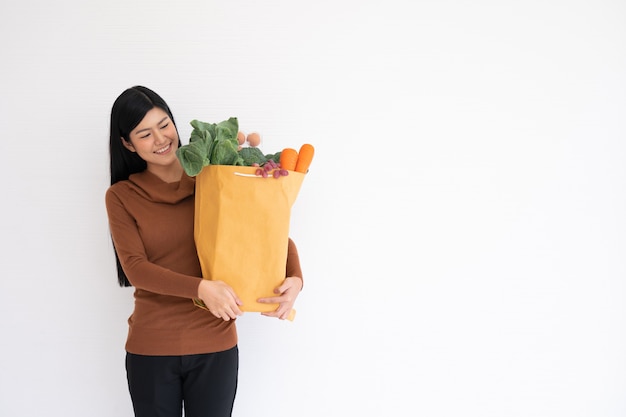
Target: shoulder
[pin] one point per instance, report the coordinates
(118, 188)
(133, 183)
(123, 190)
(115, 194)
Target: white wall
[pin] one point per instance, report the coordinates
(462, 229)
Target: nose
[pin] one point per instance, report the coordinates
(159, 137)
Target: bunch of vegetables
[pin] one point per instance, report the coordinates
(222, 144)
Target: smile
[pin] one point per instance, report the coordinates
(163, 150)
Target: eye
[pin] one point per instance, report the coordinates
(145, 136)
(165, 126)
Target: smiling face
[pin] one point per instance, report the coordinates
(155, 140)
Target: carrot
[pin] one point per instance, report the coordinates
(288, 159)
(305, 156)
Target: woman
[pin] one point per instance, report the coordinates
(178, 355)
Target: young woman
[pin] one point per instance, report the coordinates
(178, 356)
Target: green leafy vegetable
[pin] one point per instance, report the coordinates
(193, 157)
(216, 144)
(252, 155)
(273, 156)
(225, 153)
(210, 143)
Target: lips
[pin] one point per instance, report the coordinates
(163, 149)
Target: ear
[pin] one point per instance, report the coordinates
(127, 145)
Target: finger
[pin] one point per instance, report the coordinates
(233, 312)
(235, 297)
(285, 286)
(271, 300)
(227, 313)
(216, 314)
(286, 315)
(237, 311)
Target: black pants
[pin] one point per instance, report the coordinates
(205, 385)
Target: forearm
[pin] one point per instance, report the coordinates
(293, 268)
(154, 278)
(172, 273)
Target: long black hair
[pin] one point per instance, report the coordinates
(128, 111)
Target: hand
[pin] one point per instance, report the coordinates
(288, 292)
(220, 299)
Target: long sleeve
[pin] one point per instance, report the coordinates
(151, 223)
(293, 261)
(171, 276)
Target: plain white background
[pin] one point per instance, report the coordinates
(462, 229)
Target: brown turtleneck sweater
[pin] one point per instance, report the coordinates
(151, 223)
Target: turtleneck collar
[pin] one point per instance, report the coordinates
(159, 191)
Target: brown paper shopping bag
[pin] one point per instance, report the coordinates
(241, 229)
